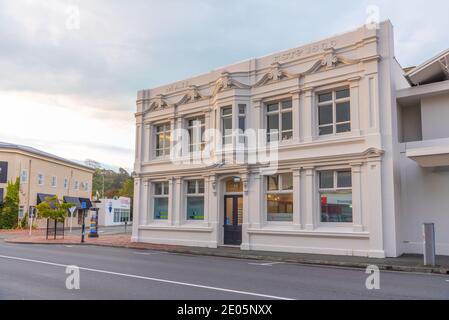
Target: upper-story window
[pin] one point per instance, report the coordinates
(280, 197)
(40, 179)
(195, 200)
(66, 183)
(86, 186)
(335, 189)
(334, 112)
(163, 137)
(196, 128)
(226, 125)
(24, 176)
(279, 121)
(54, 181)
(242, 122)
(161, 193)
(77, 185)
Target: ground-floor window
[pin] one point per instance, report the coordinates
(121, 215)
(279, 193)
(161, 192)
(195, 200)
(335, 188)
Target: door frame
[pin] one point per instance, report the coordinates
(235, 201)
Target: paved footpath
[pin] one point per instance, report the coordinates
(39, 272)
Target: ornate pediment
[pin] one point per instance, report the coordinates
(226, 82)
(192, 95)
(330, 60)
(158, 103)
(275, 74)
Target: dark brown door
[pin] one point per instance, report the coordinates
(233, 220)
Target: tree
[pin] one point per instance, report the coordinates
(127, 189)
(53, 208)
(9, 214)
(112, 181)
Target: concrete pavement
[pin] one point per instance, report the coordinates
(38, 272)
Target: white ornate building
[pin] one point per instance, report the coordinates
(330, 110)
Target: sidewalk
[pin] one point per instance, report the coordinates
(406, 263)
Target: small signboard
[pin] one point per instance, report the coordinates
(83, 205)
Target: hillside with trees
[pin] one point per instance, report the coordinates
(109, 184)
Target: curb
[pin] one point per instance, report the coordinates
(341, 264)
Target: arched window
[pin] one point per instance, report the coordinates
(234, 185)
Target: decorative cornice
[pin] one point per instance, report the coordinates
(226, 82)
(275, 74)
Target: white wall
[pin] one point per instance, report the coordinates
(425, 199)
(435, 115)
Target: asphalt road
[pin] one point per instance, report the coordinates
(39, 272)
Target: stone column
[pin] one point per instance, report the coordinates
(355, 105)
(137, 213)
(296, 116)
(144, 219)
(178, 201)
(171, 201)
(147, 143)
(246, 210)
(311, 196)
(297, 198)
(308, 120)
(357, 206)
(258, 207)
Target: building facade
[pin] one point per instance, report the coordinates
(42, 175)
(114, 212)
(298, 151)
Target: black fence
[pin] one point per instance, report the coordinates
(55, 229)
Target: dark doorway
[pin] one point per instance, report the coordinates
(233, 220)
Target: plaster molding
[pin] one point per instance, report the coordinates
(274, 75)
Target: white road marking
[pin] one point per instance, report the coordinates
(268, 264)
(68, 246)
(149, 278)
(148, 253)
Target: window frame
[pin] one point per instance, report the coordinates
(333, 102)
(224, 117)
(164, 195)
(335, 190)
(196, 194)
(40, 179)
(279, 191)
(54, 182)
(165, 150)
(66, 183)
(77, 185)
(191, 130)
(22, 172)
(279, 112)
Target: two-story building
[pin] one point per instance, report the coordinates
(44, 175)
(298, 151)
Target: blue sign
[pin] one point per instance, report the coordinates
(83, 205)
(110, 207)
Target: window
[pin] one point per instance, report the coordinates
(54, 181)
(280, 197)
(161, 192)
(196, 127)
(77, 185)
(21, 212)
(66, 183)
(195, 200)
(24, 176)
(121, 215)
(279, 121)
(163, 137)
(86, 186)
(226, 125)
(40, 179)
(242, 122)
(334, 112)
(336, 196)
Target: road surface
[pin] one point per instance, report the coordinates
(39, 272)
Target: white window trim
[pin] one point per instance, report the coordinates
(278, 112)
(21, 176)
(42, 183)
(279, 191)
(66, 183)
(55, 180)
(165, 186)
(164, 148)
(197, 194)
(199, 146)
(222, 117)
(334, 103)
(77, 185)
(335, 189)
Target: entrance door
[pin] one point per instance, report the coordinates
(233, 216)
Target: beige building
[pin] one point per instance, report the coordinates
(41, 175)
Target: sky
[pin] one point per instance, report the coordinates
(70, 69)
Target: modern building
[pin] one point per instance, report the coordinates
(346, 152)
(44, 175)
(114, 212)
